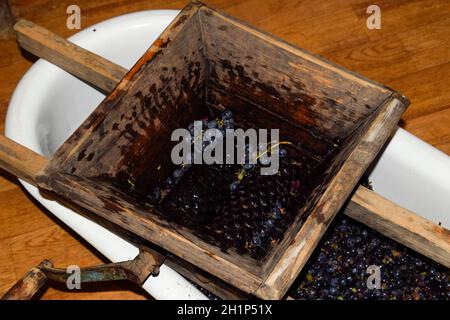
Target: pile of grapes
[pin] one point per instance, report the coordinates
(234, 206)
(338, 269)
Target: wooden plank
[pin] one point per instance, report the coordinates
(80, 62)
(30, 248)
(401, 225)
(288, 81)
(137, 220)
(200, 277)
(19, 160)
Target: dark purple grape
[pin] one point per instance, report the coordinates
(212, 124)
(233, 186)
(227, 114)
(283, 152)
(178, 173)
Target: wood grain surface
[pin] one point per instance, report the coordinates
(404, 226)
(411, 53)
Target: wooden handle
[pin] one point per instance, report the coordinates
(80, 62)
(29, 285)
(365, 206)
(146, 263)
(19, 160)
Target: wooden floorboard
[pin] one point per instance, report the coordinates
(411, 53)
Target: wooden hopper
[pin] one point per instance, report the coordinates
(206, 60)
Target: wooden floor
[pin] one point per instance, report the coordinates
(411, 53)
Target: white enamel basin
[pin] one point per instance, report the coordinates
(49, 104)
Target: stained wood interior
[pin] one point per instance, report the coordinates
(321, 107)
(167, 91)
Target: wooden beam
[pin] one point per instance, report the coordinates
(400, 224)
(19, 160)
(80, 62)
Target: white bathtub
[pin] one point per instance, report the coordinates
(49, 104)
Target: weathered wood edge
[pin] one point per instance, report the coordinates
(286, 270)
(202, 278)
(29, 284)
(279, 42)
(145, 227)
(400, 224)
(19, 160)
(79, 137)
(80, 62)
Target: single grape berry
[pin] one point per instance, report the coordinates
(283, 152)
(227, 114)
(178, 173)
(212, 124)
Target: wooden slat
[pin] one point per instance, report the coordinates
(401, 225)
(80, 62)
(19, 160)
